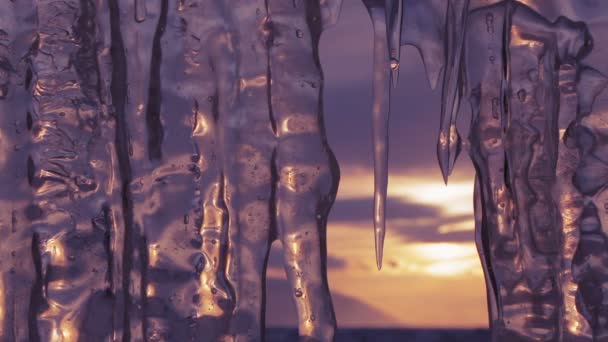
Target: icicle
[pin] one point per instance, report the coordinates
(380, 117)
(448, 146)
(330, 10)
(422, 24)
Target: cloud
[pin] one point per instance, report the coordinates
(410, 221)
(361, 209)
(434, 255)
(419, 209)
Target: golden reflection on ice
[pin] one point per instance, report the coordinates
(201, 127)
(150, 290)
(298, 123)
(212, 216)
(153, 254)
(59, 284)
(54, 310)
(256, 82)
(57, 252)
(68, 330)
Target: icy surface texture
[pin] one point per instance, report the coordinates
(537, 145)
(529, 94)
(151, 151)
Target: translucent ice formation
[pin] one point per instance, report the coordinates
(522, 73)
(152, 151)
(437, 30)
(536, 145)
(378, 11)
(449, 144)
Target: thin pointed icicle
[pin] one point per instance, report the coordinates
(448, 144)
(380, 117)
(394, 11)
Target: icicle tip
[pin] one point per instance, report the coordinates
(379, 232)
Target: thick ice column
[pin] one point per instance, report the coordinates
(176, 188)
(72, 176)
(136, 98)
(496, 235)
(523, 98)
(306, 168)
(248, 142)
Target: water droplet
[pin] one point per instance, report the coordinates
(299, 293)
(299, 33)
(394, 63)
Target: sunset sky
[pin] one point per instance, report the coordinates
(432, 276)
